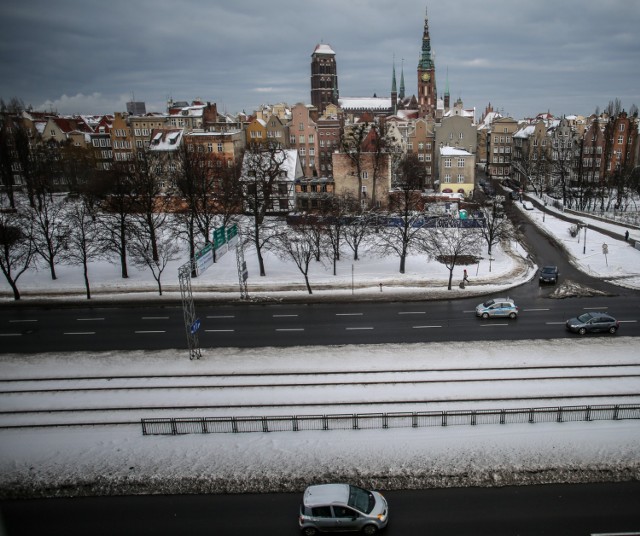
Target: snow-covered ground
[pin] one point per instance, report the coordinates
(118, 459)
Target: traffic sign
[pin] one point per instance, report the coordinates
(195, 326)
(219, 237)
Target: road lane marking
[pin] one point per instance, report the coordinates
(412, 312)
(79, 333)
(492, 324)
(10, 334)
(353, 329)
(627, 321)
(155, 318)
(218, 330)
(425, 327)
(17, 321)
(150, 331)
(289, 329)
(555, 323)
(594, 308)
(282, 316)
(88, 319)
(536, 310)
(221, 316)
(349, 314)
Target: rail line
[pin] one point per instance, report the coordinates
(80, 401)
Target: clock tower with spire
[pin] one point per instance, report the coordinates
(427, 96)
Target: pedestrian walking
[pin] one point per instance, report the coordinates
(626, 236)
(465, 278)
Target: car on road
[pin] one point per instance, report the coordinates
(592, 322)
(342, 508)
(549, 274)
(527, 205)
(498, 307)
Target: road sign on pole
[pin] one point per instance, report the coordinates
(195, 326)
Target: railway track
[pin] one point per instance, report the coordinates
(87, 400)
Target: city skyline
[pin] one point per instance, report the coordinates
(523, 58)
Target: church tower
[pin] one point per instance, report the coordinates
(324, 77)
(427, 95)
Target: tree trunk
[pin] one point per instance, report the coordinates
(306, 280)
(450, 278)
(86, 279)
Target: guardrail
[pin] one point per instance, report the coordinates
(358, 421)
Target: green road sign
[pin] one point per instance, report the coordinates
(219, 237)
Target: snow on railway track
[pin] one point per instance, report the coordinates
(115, 399)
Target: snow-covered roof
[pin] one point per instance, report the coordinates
(289, 163)
(365, 103)
(452, 151)
(166, 140)
(525, 132)
(323, 48)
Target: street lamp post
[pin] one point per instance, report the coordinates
(584, 245)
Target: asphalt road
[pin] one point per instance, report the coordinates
(131, 328)
(551, 510)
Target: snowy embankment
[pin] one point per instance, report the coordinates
(120, 460)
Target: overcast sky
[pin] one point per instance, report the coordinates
(525, 57)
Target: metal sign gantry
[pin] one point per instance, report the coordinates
(222, 236)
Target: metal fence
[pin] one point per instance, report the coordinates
(359, 421)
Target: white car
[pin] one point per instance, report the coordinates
(527, 205)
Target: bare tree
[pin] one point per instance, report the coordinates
(82, 240)
(142, 254)
(297, 243)
(493, 224)
(360, 223)
(116, 217)
(263, 165)
(49, 227)
(450, 244)
(406, 215)
(16, 247)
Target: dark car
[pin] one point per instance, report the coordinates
(593, 323)
(549, 274)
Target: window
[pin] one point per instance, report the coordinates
(621, 127)
(447, 178)
(311, 138)
(301, 127)
(365, 175)
(621, 139)
(461, 136)
(460, 178)
(447, 162)
(301, 139)
(460, 162)
(312, 151)
(292, 139)
(209, 147)
(220, 147)
(303, 151)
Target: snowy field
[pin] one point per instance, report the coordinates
(118, 459)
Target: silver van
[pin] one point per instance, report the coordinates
(342, 508)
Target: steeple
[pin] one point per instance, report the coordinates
(427, 91)
(393, 79)
(402, 81)
(425, 59)
(447, 95)
(394, 88)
